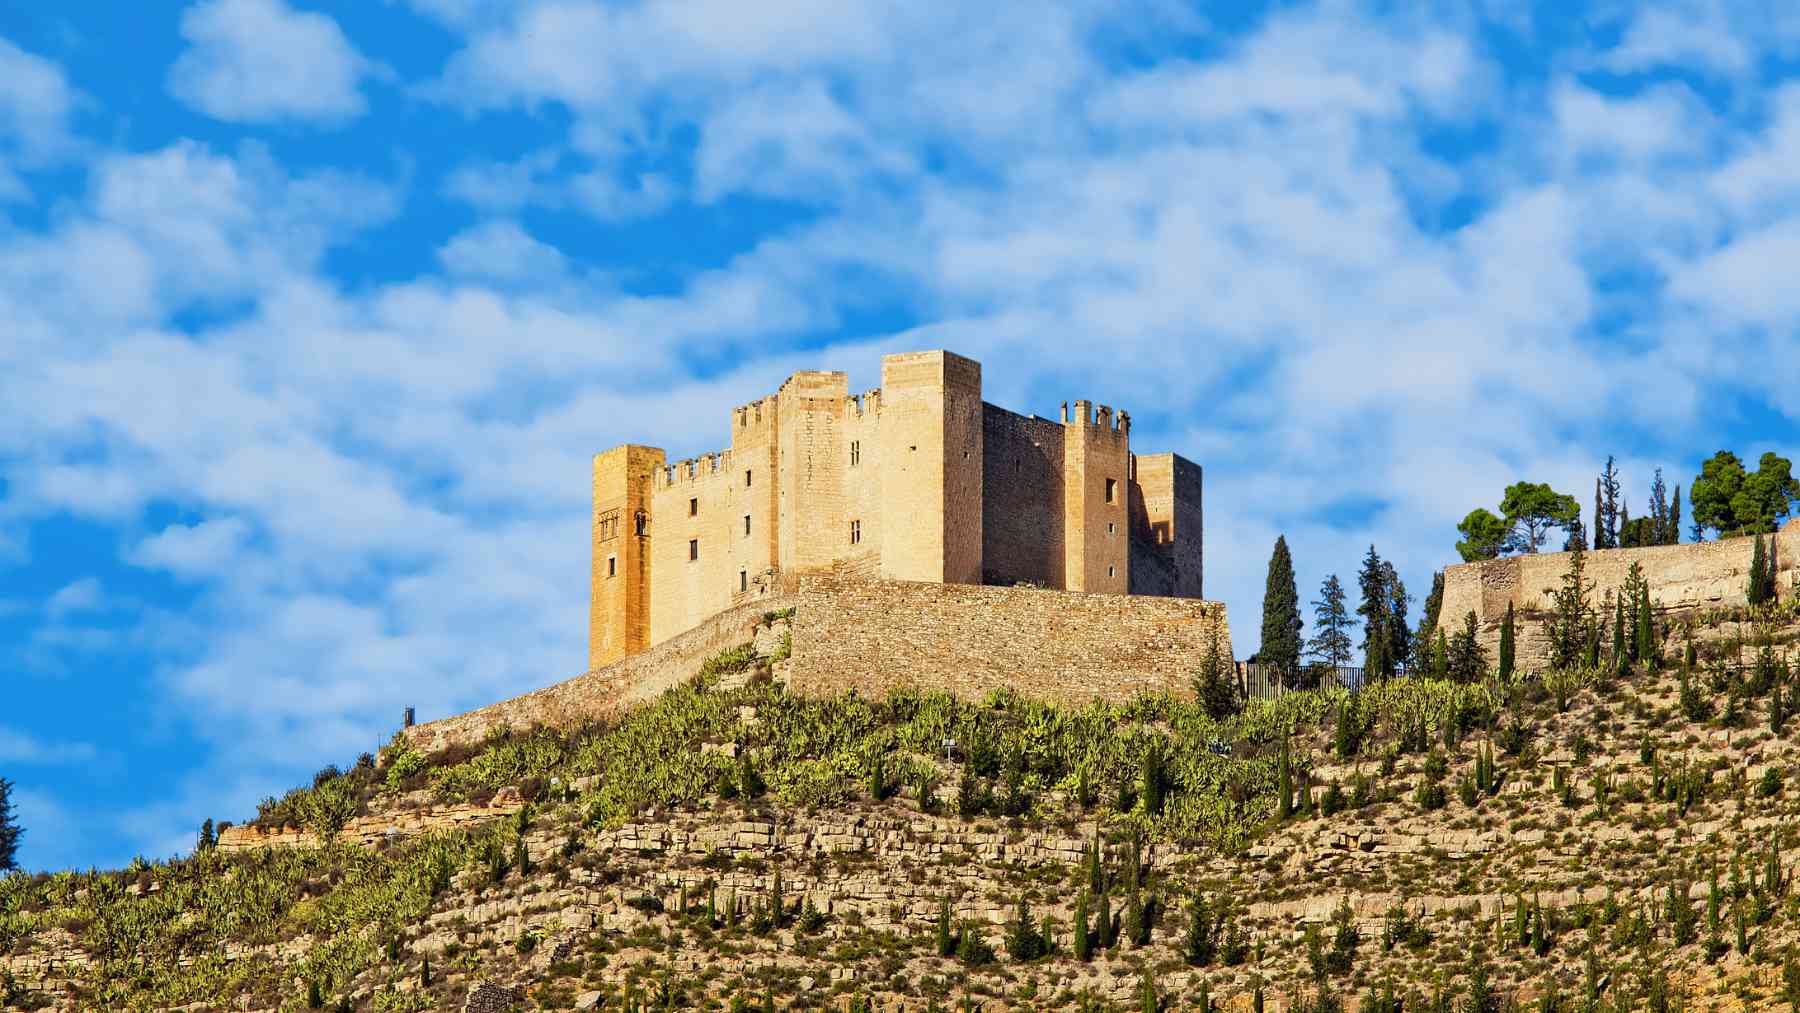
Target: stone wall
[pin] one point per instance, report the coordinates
(377, 827)
(634, 680)
(1055, 645)
(1022, 505)
(1682, 579)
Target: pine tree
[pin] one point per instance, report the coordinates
(1374, 610)
(10, 831)
(1202, 940)
(1567, 626)
(208, 837)
(1422, 639)
(1331, 645)
(1607, 525)
(1659, 510)
(1506, 642)
(1022, 939)
(1215, 685)
(1399, 637)
(1281, 623)
(1468, 659)
(1599, 517)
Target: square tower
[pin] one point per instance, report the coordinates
(931, 471)
(619, 598)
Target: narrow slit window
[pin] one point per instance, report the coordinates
(855, 532)
(694, 504)
(746, 478)
(1109, 571)
(855, 453)
(743, 580)
(693, 549)
(612, 566)
(746, 525)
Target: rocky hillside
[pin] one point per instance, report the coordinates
(1572, 840)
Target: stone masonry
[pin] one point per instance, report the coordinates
(969, 640)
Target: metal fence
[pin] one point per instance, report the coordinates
(1263, 682)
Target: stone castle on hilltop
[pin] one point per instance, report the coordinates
(919, 480)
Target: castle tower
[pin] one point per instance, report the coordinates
(619, 598)
(931, 478)
(1096, 491)
(811, 531)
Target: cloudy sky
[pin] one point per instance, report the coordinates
(311, 315)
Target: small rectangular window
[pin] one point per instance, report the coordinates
(694, 504)
(746, 478)
(612, 566)
(743, 580)
(1110, 529)
(855, 532)
(746, 525)
(1112, 490)
(855, 452)
(1109, 571)
(693, 549)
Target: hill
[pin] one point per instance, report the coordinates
(1571, 840)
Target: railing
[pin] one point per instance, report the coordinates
(1264, 682)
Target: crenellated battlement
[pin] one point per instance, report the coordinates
(1098, 418)
(693, 469)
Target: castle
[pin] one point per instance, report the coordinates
(919, 480)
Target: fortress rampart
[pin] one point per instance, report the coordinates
(874, 635)
(919, 480)
(1681, 579)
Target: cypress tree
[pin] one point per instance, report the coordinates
(1756, 591)
(1083, 944)
(1281, 623)
(1673, 534)
(1777, 710)
(1646, 636)
(1103, 923)
(1620, 659)
(946, 943)
(1284, 789)
(1506, 642)
(1147, 998)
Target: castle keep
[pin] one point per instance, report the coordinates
(919, 480)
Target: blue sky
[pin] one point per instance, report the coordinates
(311, 315)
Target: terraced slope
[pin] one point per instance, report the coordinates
(1563, 841)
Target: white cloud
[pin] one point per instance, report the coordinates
(36, 105)
(83, 595)
(17, 747)
(193, 551)
(260, 61)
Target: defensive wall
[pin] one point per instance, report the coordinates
(870, 636)
(602, 692)
(969, 639)
(1681, 578)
